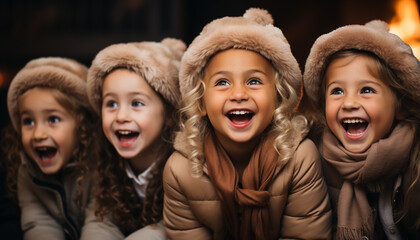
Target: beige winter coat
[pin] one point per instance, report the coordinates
(48, 204)
(299, 206)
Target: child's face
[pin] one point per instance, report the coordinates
(133, 114)
(240, 95)
(360, 108)
(48, 130)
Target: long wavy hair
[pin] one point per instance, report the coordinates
(407, 107)
(83, 151)
(116, 197)
(289, 126)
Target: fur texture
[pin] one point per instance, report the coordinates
(66, 75)
(372, 37)
(157, 62)
(254, 31)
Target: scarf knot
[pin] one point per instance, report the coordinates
(368, 170)
(253, 197)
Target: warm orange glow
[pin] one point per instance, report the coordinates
(406, 24)
(1, 80)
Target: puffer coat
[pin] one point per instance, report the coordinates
(49, 205)
(299, 206)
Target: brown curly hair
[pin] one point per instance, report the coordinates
(86, 131)
(116, 197)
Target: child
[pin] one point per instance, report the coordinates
(49, 110)
(135, 89)
(365, 80)
(242, 169)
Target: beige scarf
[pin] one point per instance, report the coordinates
(368, 170)
(253, 197)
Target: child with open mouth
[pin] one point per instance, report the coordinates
(242, 168)
(366, 83)
(134, 89)
(49, 110)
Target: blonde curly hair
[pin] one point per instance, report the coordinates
(289, 126)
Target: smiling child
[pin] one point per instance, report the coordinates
(365, 81)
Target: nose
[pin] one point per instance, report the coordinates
(40, 132)
(350, 102)
(123, 114)
(239, 93)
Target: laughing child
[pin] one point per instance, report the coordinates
(49, 110)
(365, 81)
(134, 88)
(242, 167)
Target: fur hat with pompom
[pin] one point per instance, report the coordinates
(253, 31)
(157, 62)
(372, 37)
(66, 75)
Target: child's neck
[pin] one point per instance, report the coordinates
(240, 155)
(144, 160)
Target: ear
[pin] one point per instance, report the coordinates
(400, 114)
(203, 110)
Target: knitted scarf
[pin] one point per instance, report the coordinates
(253, 196)
(368, 170)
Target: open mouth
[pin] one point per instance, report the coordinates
(354, 126)
(46, 153)
(126, 135)
(240, 116)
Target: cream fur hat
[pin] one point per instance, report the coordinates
(157, 62)
(253, 31)
(372, 37)
(66, 75)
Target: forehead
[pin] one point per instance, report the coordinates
(238, 58)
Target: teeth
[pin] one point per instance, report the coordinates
(354, 121)
(125, 132)
(239, 112)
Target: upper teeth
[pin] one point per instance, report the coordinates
(354, 121)
(125, 132)
(239, 112)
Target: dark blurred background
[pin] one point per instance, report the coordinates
(80, 28)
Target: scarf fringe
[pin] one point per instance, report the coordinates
(347, 233)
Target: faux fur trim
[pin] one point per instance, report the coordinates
(157, 62)
(372, 37)
(66, 75)
(254, 31)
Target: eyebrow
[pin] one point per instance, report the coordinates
(44, 111)
(363, 82)
(225, 72)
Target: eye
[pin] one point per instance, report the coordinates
(254, 81)
(54, 119)
(28, 122)
(366, 90)
(221, 82)
(111, 104)
(336, 91)
(136, 103)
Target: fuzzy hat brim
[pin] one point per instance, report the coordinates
(254, 31)
(372, 37)
(157, 62)
(66, 75)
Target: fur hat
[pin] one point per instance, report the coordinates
(66, 75)
(373, 37)
(157, 62)
(254, 31)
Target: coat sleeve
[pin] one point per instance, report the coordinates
(95, 229)
(150, 232)
(307, 214)
(179, 219)
(36, 222)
